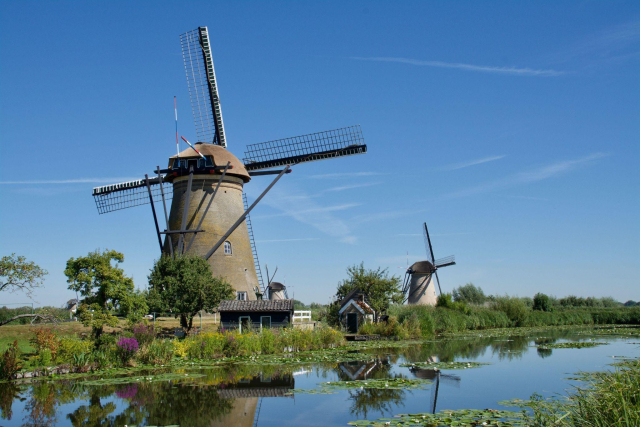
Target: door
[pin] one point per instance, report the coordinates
(265, 322)
(352, 322)
(244, 324)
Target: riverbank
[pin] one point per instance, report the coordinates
(415, 321)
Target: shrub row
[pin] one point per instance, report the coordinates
(505, 312)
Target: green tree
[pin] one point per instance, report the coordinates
(184, 285)
(470, 294)
(541, 302)
(18, 274)
(105, 288)
(381, 289)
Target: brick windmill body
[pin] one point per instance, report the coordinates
(209, 213)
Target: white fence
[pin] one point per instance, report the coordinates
(301, 315)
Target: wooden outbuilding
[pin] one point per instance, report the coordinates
(355, 311)
(255, 315)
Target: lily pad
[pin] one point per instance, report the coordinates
(464, 417)
(444, 365)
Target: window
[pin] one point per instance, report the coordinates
(241, 296)
(227, 248)
(265, 322)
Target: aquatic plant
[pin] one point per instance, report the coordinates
(608, 398)
(172, 376)
(443, 365)
(381, 383)
(583, 344)
(462, 417)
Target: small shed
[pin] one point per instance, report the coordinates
(258, 314)
(355, 310)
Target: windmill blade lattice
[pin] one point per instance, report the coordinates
(446, 261)
(203, 89)
(305, 148)
(115, 197)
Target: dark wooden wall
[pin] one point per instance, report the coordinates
(279, 319)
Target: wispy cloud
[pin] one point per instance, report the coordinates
(295, 203)
(319, 209)
(345, 174)
(467, 67)
(463, 165)
(349, 187)
(539, 174)
(70, 181)
(612, 43)
(386, 215)
(307, 239)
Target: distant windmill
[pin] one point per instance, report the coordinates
(418, 286)
(275, 290)
(207, 170)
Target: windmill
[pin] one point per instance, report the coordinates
(418, 286)
(275, 290)
(207, 170)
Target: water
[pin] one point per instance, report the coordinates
(246, 395)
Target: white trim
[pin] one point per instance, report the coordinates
(352, 302)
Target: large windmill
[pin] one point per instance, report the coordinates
(418, 286)
(206, 170)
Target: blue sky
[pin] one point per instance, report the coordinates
(512, 128)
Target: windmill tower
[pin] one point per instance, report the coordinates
(418, 285)
(207, 171)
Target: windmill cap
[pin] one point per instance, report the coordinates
(422, 267)
(220, 157)
(276, 285)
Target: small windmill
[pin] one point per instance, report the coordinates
(418, 286)
(207, 170)
(275, 290)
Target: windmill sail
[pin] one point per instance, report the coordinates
(203, 89)
(128, 194)
(305, 148)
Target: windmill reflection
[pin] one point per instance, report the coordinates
(365, 400)
(436, 376)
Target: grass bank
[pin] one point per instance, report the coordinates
(140, 345)
(412, 321)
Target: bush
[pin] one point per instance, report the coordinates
(267, 342)
(70, 346)
(469, 294)
(143, 333)
(159, 352)
(10, 362)
(541, 302)
(46, 339)
(126, 348)
(515, 309)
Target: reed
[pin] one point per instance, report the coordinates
(609, 398)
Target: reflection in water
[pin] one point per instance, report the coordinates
(233, 394)
(371, 400)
